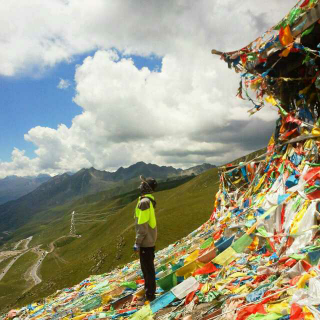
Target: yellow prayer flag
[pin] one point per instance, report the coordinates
(271, 141)
(282, 307)
(225, 257)
(298, 217)
(285, 36)
(308, 315)
(207, 286)
(316, 131)
(272, 100)
(192, 257)
(257, 187)
(302, 281)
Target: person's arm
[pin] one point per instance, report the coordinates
(142, 223)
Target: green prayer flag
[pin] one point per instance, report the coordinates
(262, 230)
(242, 243)
(297, 256)
(293, 15)
(282, 111)
(269, 316)
(143, 314)
(129, 284)
(207, 243)
(308, 31)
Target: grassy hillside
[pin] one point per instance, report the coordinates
(64, 188)
(14, 281)
(51, 196)
(40, 223)
(250, 156)
(107, 244)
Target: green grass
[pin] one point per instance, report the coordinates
(180, 210)
(21, 245)
(13, 283)
(4, 263)
(250, 156)
(63, 242)
(45, 226)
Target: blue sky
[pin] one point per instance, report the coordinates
(182, 114)
(30, 101)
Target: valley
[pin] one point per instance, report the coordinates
(60, 253)
(66, 189)
(47, 254)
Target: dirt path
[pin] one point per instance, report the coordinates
(26, 244)
(17, 245)
(7, 268)
(10, 253)
(52, 250)
(4, 255)
(33, 272)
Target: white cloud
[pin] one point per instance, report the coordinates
(183, 114)
(63, 84)
(37, 34)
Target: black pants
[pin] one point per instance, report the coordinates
(149, 274)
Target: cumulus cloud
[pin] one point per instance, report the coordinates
(63, 84)
(35, 35)
(183, 114)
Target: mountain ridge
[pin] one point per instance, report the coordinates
(187, 200)
(13, 187)
(64, 188)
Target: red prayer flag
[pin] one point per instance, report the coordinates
(305, 3)
(206, 269)
(296, 312)
(246, 312)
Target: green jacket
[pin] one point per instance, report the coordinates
(145, 222)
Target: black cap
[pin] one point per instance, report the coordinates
(151, 182)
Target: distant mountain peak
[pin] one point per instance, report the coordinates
(14, 187)
(10, 177)
(43, 175)
(198, 169)
(138, 164)
(65, 188)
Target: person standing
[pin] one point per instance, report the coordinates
(146, 235)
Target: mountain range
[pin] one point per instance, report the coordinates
(103, 221)
(66, 188)
(14, 187)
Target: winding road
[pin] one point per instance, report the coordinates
(33, 272)
(17, 245)
(7, 268)
(26, 244)
(24, 250)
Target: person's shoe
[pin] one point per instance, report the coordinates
(151, 299)
(141, 302)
